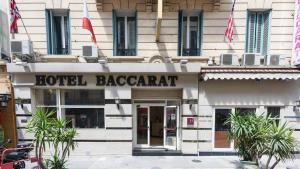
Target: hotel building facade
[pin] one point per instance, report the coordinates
(164, 78)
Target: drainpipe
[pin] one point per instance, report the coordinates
(198, 113)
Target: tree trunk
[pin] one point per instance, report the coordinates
(268, 162)
(274, 165)
(40, 160)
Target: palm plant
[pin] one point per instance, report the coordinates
(52, 131)
(280, 144)
(40, 126)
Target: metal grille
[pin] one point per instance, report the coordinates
(16, 47)
(87, 51)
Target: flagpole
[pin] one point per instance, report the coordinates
(25, 29)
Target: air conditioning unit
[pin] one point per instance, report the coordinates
(275, 60)
(251, 59)
(21, 47)
(90, 51)
(229, 60)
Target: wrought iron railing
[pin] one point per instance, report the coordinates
(190, 52)
(126, 52)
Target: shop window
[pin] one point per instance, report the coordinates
(46, 98)
(125, 34)
(190, 28)
(82, 97)
(58, 31)
(258, 30)
(244, 111)
(221, 135)
(274, 113)
(84, 118)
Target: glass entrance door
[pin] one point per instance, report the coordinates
(171, 126)
(143, 126)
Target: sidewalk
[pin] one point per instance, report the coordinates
(164, 162)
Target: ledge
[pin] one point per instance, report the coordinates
(99, 68)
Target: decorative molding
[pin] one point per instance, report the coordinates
(99, 4)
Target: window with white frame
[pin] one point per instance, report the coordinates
(46, 98)
(274, 113)
(221, 134)
(58, 31)
(258, 30)
(189, 43)
(125, 33)
(245, 111)
(82, 108)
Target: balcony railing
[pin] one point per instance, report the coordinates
(126, 52)
(190, 52)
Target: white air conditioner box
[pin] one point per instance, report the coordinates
(275, 60)
(251, 59)
(229, 60)
(90, 51)
(21, 47)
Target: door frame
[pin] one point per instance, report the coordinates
(164, 104)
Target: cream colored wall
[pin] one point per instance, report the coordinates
(246, 93)
(215, 17)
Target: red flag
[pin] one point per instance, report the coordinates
(14, 16)
(86, 22)
(229, 29)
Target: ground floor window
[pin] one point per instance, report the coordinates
(274, 113)
(81, 108)
(221, 129)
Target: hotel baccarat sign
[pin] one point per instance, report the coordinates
(107, 80)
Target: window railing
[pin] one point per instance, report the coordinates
(191, 52)
(126, 52)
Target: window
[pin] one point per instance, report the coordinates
(125, 33)
(221, 135)
(81, 108)
(46, 98)
(58, 31)
(258, 32)
(274, 113)
(189, 39)
(244, 111)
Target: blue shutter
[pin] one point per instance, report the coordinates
(115, 36)
(266, 32)
(199, 34)
(136, 31)
(48, 31)
(251, 29)
(179, 32)
(258, 33)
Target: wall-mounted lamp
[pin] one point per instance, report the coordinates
(18, 101)
(4, 98)
(117, 101)
(183, 62)
(24, 64)
(103, 62)
(297, 105)
(190, 102)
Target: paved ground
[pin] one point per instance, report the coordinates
(164, 162)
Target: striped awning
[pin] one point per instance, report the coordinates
(221, 73)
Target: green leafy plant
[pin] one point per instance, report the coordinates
(256, 136)
(51, 131)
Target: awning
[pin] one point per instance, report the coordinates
(245, 73)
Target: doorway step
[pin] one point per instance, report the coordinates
(155, 152)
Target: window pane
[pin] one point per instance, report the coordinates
(84, 118)
(245, 111)
(184, 33)
(194, 34)
(82, 97)
(45, 97)
(131, 32)
(222, 130)
(274, 112)
(121, 32)
(259, 33)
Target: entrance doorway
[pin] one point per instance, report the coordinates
(156, 125)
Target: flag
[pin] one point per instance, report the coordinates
(86, 22)
(229, 29)
(14, 16)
